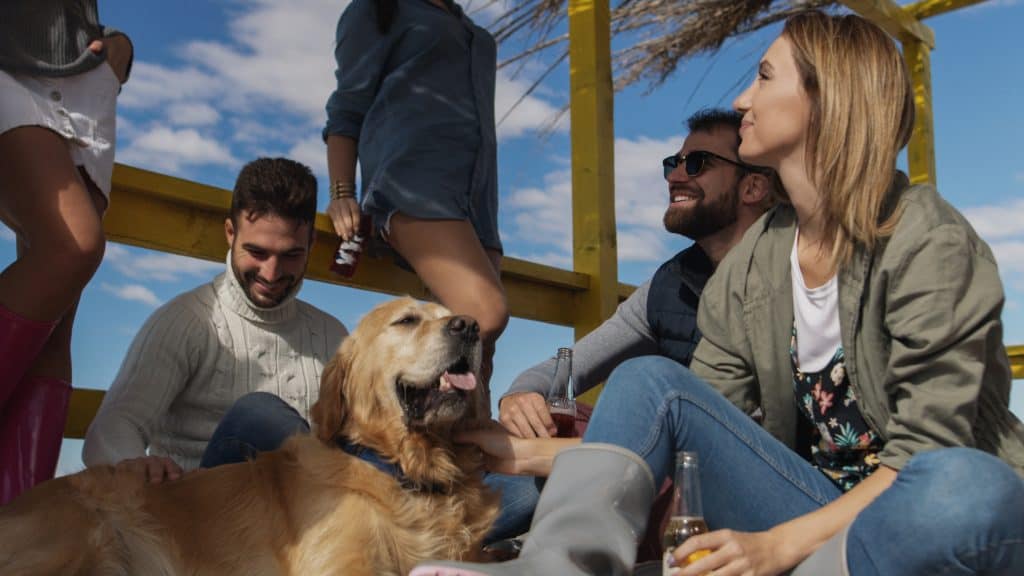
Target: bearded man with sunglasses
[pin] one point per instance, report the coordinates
(713, 198)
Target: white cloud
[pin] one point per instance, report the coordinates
(125, 129)
(7, 234)
(558, 259)
(134, 292)
(643, 244)
(260, 69)
(530, 114)
(154, 85)
(1009, 255)
(313, 153)
(192, 114)
(1002, 226)
(165, 149)
(543, 216)
(160, 267)
(254, 131)
(997, 221)
(483, 12)
(260, 60)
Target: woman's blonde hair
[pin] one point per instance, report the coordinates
(862, 114)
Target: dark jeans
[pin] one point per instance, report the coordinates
(260, 422)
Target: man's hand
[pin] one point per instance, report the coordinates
(119, 54)
(155, 469)
(526, 415)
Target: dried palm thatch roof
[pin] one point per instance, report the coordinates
(661, 33)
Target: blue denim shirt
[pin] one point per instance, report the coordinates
(420, 102)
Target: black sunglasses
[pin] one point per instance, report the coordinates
(696, 161)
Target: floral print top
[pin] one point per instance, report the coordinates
(843, 446)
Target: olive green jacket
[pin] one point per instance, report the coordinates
(920, 325)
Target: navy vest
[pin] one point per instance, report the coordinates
(672, 303)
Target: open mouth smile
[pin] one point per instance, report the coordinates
(450, 388)
(680, 195)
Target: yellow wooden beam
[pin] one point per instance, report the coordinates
(921, 150)
(82, 408)
(85, 402)
(1016, 354)
(893, 19)
(174, 215)
(928, 8)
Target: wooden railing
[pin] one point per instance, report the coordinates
(170, 214)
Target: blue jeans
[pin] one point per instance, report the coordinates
(260, 422)
(950, 511)
(257, 422)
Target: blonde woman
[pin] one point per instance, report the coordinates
(858, 324)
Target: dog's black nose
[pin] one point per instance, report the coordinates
(463, 326)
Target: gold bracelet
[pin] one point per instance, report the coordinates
(341, 189)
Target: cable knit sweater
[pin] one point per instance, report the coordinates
(195, 357)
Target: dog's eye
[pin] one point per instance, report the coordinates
(408, 320)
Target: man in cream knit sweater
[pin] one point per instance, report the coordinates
(243, 332)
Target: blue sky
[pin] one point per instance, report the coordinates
(219, 82)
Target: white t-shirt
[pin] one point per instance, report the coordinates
(816, 313)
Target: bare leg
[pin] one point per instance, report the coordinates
(54, 360)
(56, 213)
(448, 257)
(49, 206)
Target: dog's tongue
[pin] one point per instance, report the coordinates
(461, 381)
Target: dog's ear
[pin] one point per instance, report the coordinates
(329, 412)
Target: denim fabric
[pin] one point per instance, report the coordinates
(419, 99)
(260, 422)
(951, 511)
(519, 495)
(956, 511)
(257, 422)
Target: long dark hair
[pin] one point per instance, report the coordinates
(385, 14)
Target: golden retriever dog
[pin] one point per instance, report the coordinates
(398, 386)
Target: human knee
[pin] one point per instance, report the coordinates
(648, 369)
(964, 487)
(492, 319)
(257, 405)
(651, 377)
(77, 257)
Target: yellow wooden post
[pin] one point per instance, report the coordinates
(928, 8)
(921, 151)
(593, 137)
(917, 39)
(892, 18)
(593, 184)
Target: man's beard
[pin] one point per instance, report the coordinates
(704, 218)
(249, 279)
